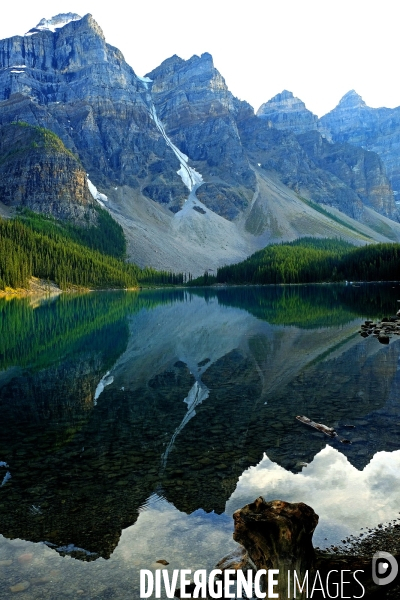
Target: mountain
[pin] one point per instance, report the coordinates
(352, 123)
(375, 129)
(82, 89)
(199, 114)
(361, 171)
(194, 177)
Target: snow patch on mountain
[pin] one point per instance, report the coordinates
(54, 23)
(189, 176)
(101, 198)
(145, 81)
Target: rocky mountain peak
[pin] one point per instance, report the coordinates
(206, 56)
(285, 95)
(285, 111)
(375, 129)
(285, 100)
(175, 69)
(55, 22)
(351, 100)
(193, 76)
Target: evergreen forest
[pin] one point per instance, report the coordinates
(36, 246)
(311, 260)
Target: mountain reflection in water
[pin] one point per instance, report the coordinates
(120, 408)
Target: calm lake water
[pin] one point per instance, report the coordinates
(132, 426)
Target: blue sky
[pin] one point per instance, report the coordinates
(319, 50)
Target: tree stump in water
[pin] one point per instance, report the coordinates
(278, 535)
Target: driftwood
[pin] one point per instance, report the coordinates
(329, 431)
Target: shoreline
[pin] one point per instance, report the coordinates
(43, 288)
(48, 289)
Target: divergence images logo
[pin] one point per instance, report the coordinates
(384, 568)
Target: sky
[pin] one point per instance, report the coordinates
(319, 50)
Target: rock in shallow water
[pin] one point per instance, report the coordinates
(20, 587)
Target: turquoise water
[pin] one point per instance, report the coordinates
(134, 424)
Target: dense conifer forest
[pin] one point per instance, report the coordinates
(35, 246)
(311, 260)
(107, 237)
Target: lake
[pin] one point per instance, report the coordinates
(133, 425)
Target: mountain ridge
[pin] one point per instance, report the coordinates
(141, 138)
(352, 121)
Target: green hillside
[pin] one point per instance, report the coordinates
(311, 260)
(53, 255)
(107, 236)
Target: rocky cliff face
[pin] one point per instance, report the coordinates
(38, 172)
(285, 111)
(199, 113)
(361, 171)
(375, 129)
(81, 88)
(339, 173)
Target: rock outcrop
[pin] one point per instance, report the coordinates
(39, 173)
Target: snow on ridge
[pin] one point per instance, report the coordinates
(145, 81)
(189, 176)
(101, 198)
(54, 23)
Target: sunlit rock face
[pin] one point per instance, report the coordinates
(39, 173)
(375, 129)
(361, 171)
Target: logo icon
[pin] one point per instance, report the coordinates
(384, 568)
